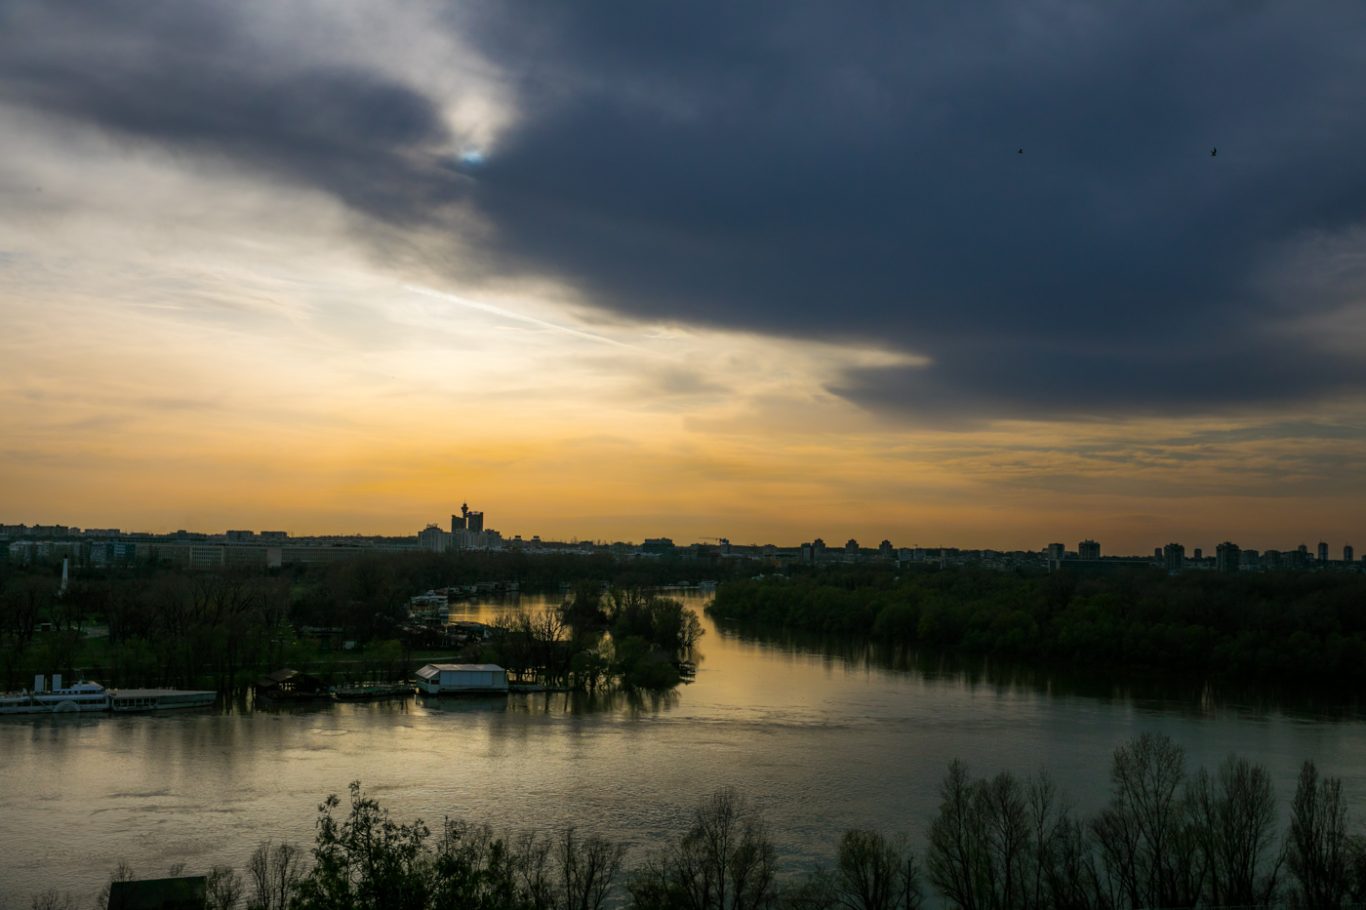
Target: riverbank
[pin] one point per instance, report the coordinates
(1303, 628)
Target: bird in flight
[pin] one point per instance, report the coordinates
(1213, 151)
(1019, 151)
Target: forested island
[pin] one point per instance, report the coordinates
(1167, 837)
(159, 625)
(166, 626)
(1288, 628)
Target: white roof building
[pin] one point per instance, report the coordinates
(438, 679)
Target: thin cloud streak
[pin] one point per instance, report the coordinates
(505, 313)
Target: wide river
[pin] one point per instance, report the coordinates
(819, 737)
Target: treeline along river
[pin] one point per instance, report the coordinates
(820, 734)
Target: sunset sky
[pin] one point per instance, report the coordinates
(765, 270)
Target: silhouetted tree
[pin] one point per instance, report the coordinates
(724, 861)
(272, 873)
(1144, 836)
(1235, 832)
(875, 873)
(1317, 849)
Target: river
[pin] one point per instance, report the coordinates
(820, 737)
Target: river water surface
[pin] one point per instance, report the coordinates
(820, 738)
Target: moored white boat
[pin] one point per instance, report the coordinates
(87, 696)
(80, 696)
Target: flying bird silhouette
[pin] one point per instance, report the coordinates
(1213, 151)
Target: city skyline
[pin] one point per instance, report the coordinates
(1087, 548)
(948, 274)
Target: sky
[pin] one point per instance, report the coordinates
(981, 275)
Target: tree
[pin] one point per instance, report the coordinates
(875, 873)
(587, 869)
(1234, 824)
(122, 873)
(1144, 835)
(223, 889)
(956, 843)
(1317, 851)
(724, 861)
(273, 871)
(52, 899)
(365, 861)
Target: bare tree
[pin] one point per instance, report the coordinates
(587, 869)
(52, 899)
(1144, 835)
(272, 873)
(1234, 816)
(725, 861)
(876, 873)
(531, 866)
(223, 888)
(1317, 852)
(955, 860)
(122, 873)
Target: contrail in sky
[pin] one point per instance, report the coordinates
(509, 314)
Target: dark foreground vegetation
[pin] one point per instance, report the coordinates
(1166, 839)
(221, 629)
(1286, 627)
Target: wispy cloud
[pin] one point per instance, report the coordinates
(512, 315)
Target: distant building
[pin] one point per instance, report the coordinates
(886, 550)
(1271, 559)
(468, 533)
(1199, 554)
(1347, 553)
(441, 679)
(851, 547)
(1323, 552)
(1056, 551)
(239, 536)
(433, 539)
(1174, 557)
(1226, 557)
(1088, 549)
(660, 545)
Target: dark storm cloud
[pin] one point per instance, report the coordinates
(805, 169)
(190, 76)
(833, 171)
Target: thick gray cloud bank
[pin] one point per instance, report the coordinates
(840, 171)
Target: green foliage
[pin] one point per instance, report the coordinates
(367, 861)
(1306, 627)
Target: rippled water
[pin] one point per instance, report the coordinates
(821, 736)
